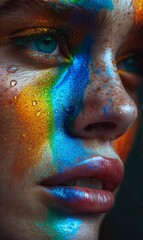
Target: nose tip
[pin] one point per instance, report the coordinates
(93, 122)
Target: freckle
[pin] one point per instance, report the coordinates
(34, 103)
(13, 83)
(12, 69)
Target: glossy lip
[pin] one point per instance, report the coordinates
(83, 199)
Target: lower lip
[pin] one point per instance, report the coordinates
(80, 199)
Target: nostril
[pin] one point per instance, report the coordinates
(101, 126)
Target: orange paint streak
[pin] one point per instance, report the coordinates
(33, 114)
(124, 144)
(138, 7)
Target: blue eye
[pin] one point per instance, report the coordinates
(133, 63)
(43, 47)
(44, 44)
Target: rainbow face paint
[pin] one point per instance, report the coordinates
(62, 102)
(73, 80)
(58, 222)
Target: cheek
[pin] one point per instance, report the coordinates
(34, 114)
(123, 144)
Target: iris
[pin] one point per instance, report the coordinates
(45, 44)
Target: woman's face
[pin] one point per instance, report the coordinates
(68, 77)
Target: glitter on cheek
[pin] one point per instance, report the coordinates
(59, 225)
(97, 4)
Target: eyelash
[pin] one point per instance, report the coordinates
(21, 40)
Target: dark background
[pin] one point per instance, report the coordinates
(125, 221)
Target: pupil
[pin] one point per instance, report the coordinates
(131, 65)
(46, 40)
(46, 44)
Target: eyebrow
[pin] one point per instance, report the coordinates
(10, 4)
(7, 5)
(61, 9)
(100, 23)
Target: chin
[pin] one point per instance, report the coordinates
(57, 224)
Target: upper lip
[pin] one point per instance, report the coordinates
(108, 170)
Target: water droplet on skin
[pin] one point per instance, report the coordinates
(38, 114)
(13, 83)
(12, 69)
(24, 135)
(34, 103)
(70, 109)
(15, 97)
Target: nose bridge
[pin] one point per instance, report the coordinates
(104, 79)
(102, 66)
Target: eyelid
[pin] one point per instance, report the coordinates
(28, 35)
(31, 31)
(37, 31)
(24, 36)
(20, 41)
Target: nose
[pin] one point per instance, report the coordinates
(108, 111)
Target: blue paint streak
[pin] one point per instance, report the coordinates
(68, 194)
(105, 109)
(69, 91)
(66, 226)
(92, 4)
(59, 225)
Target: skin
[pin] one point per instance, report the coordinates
(39, 132)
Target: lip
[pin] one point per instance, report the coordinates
(82, 199)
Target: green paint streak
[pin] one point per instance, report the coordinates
(59, 225)
(45, 94)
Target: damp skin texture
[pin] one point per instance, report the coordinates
(61, 105)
